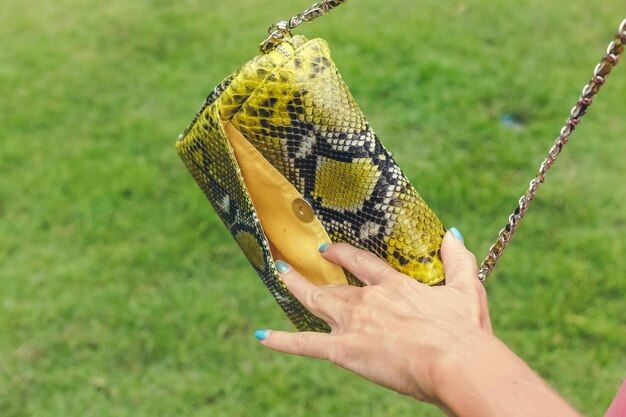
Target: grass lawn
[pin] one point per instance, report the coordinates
(121, 293)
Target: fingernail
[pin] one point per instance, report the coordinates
(282, 266)
(324, 247)
(261, 334)
(457, 234)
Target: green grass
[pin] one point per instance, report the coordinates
(121, 294)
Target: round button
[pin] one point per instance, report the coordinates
(303, 210)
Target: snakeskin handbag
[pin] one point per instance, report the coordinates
(286, 122)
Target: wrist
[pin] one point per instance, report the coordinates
(441, 362)
(482, 377)
(459, 372)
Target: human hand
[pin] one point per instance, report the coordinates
(433, 343)
(394, 331)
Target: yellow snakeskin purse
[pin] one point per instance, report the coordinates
(289, 162)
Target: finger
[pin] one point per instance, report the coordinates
(310, 344)
(366, 266)
(320, 300)
(459, 264)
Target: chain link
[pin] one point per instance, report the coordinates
(600, 73)
(279, 31)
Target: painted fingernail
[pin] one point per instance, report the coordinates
(282, 266)
(324, 247)
(261, 334)
(457, 234)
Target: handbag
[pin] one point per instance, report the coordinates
(289, 162)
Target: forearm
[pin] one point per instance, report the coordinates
(486, 379)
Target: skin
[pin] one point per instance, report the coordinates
(432, 343)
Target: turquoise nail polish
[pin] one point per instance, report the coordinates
(261, 334)
(457, 234)
(324, 247)
(282, 266)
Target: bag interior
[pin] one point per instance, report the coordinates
(291, 239)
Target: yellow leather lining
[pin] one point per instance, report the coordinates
(291, 239)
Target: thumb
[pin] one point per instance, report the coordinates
(459, 264)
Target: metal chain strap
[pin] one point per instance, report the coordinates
(278, 31)
(600, 73)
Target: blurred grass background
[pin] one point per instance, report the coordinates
(121, 294)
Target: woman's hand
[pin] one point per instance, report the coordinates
(394, 331)
(433, 343)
